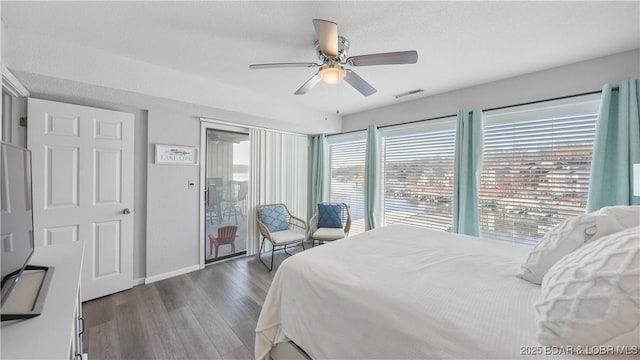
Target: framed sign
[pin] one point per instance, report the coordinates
(176, 155)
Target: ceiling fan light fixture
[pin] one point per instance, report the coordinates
(332, 74)
(332, 51)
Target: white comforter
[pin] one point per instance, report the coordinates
(401, 292)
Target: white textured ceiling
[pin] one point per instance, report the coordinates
(459, 44)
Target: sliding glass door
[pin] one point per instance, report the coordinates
(227, 185)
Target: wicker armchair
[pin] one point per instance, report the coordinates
(322, 234)
(277, 225)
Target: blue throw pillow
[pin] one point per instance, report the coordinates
(330, 215)
(274, 217)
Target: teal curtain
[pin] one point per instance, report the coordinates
(467, 169)
(373, 179)
(616, 147)
(318, 170)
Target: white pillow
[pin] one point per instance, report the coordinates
(626, 216)
(563, 239)
(592, 296)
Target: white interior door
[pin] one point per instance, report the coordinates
(16, 206)
(83, 188)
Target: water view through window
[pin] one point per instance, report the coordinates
(346, 179)
(418, 179)
(535, 173)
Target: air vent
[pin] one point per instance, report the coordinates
(412, 92)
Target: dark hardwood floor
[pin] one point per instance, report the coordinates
(207, 314)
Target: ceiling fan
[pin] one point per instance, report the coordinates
(332, 51)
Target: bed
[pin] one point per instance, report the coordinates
(402, 292)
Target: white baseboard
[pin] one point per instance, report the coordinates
(170, 274)
(137, 282)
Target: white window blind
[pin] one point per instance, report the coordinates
(418, 174)
(346, 179)
(535, 173)
(278, 174)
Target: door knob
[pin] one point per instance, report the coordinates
(126, 211)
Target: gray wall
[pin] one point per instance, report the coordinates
(173, 210)
(572, 79)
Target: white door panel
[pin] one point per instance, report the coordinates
(82, 182)
(61, 176)
(107, 242)
(61, 234)
(107, 176)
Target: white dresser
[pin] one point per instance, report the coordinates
(57, 332)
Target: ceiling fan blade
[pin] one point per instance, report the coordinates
(281, 65)
(327, 33)
(358, 83)
(400, 57)
(315, 79)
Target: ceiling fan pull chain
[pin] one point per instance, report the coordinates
(338, 99)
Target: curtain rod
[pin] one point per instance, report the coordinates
(491, 109)
(417, 121)
(227, 123)
(544, 100)
(346, 132)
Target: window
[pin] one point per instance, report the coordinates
(536, 170)
(346, 175)
(418, 174)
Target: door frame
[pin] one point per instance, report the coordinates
(17, 94)
(12, 85)
(209, 124)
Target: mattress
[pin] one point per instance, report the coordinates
(402, 292)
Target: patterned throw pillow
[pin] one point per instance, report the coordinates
(330, 215)
(568, 236)
(592, 295)
(274, 217)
